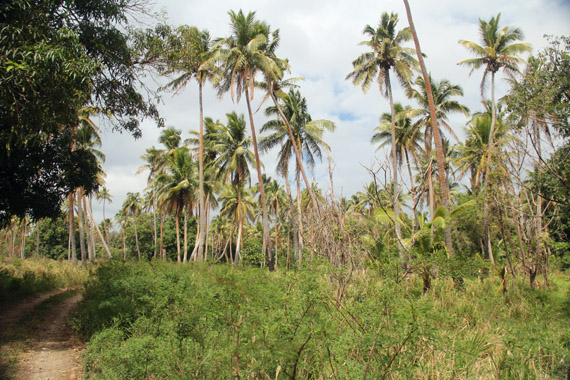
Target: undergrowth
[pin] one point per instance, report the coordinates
(21, 278)
(163, 321)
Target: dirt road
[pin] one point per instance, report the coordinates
(52, 352)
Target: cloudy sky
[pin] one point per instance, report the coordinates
(321, 38)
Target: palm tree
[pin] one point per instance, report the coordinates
(499, 50)
(193, 49)
(176, 190)
(234, 157)
(387, 53)
(307, 137)
(132, 207)
(408, 139)
(249, 50)
(442, 93)
(105, 196)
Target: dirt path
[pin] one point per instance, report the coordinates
(54, 353)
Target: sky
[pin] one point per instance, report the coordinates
(321, 39)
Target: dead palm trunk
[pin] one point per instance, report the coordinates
(264, 216)
(438, 145)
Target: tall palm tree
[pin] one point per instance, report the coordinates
(408, 140)
(132, 206)
(246, 52)
(387, 53)
(105, 196)
(499, 50)
(307, 137)
(234, 157)
(443, 93)
(193, 49)
(176, 190)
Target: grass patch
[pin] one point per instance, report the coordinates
(166, 321)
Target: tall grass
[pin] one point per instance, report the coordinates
(163, 321)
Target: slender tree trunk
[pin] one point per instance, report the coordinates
(202, 236)
(414, 211)
(71, 217)
(101, 237)
(81, 224)
(136, 237)
(395, 203)
(429, 176)
(265, 217)
(155, 229)
(89, 228)
(185, 234)
(240, 217)
(486, 216)
(298, 155)
(299, 220)
(161, 248)
(123, 242)
(176, 218)
(38, 239)
(23, 240)
(438, 145)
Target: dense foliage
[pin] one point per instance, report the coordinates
(158, 321)
(55, 58)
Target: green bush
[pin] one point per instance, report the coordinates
(166, 321)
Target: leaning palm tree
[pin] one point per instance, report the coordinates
(387, 53)
(499, 50)
(248, 51)
(190, 60)
(443, 93)
(307, 137)
(234, 157)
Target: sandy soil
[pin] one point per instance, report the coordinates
(54, 353)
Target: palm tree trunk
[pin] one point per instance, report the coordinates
(297, 153)
(294, 223)
(176, 218)
(23, 240)
(438, 145)
(265, 217)
(137, 238)
(486, 232)
(414, 211)
(185, 234)
(156, 245)
(299, 220)
(38, 239)
(161, 249)
(395, 204)
(429, 175)
(101, 237)
(240, 216)
(89, 225)
(81, 235)
(71, 218)
(202, 217)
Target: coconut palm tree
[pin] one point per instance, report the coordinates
(234, 157)
(249, 50)
(387, 53)
(307, 137)
(132, 206)
(176, 192)
(191, 60)
(499, 50)
(408, 140)
(443, 93)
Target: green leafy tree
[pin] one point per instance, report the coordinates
(386, 53)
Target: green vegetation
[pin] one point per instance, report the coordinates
(22, 278)
(158, 321)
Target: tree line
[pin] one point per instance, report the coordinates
(515, 157)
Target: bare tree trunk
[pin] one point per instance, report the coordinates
(38, 239)
(438, 145)
(395, 203)
(71, 219)
(202, 217)
(23, 240)
(177, 217)
(101, 237)
(185, 234)
(264, 216)
(297, 153)
(81, 232)
(88, 232)
(300, 222)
